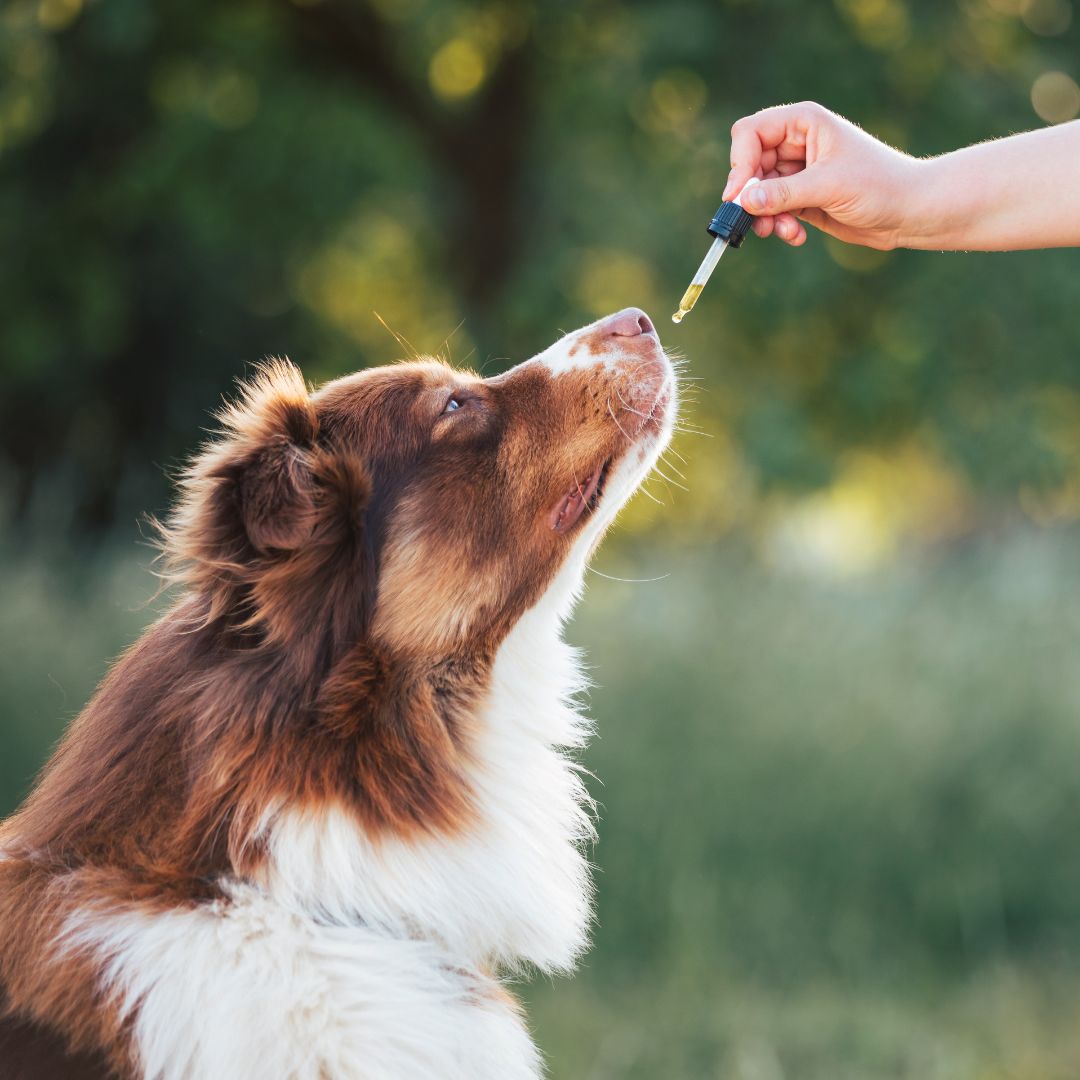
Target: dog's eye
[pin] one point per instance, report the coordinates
(452, 405)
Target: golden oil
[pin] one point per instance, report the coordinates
(686, 304)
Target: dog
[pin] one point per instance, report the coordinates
(311, 817)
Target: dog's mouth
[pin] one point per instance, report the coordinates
(581, 497)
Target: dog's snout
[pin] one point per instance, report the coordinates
(630, 322)
(627, 337)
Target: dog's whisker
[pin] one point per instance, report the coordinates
(674, 483)
(628, 580)
(446, 340)
(399, 338)
(629, 408)
(645, 491)
(674, 468)
(617, 424)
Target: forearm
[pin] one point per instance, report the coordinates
(1013, 193)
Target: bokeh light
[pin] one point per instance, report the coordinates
(457, 69)
(58, 14)
(1055, 96)
(1047, 17)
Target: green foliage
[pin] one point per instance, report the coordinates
(186, 187)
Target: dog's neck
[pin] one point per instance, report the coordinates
(512, 885)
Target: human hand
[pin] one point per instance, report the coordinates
(820, 168)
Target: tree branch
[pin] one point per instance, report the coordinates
(482, 150)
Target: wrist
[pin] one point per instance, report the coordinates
(937, 206)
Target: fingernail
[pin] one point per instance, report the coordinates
(755, 198)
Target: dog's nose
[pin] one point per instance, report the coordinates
(630, 322)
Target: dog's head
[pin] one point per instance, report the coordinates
(420, 508)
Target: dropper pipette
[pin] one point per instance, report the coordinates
(728, 227)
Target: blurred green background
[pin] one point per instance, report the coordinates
(839, 740)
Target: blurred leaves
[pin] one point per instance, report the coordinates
(838, 823)
(187, 187)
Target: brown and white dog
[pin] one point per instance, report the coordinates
(324, 801)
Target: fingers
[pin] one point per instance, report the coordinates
(789, 229)
(771, 145)
(763, 226)
(786, 226)
(780, 131)
(786, 194)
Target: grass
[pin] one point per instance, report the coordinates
(1005, 1022)
(839, 822)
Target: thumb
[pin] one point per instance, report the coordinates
(784, 193)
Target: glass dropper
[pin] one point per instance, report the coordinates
(704, 272)
(728, 227)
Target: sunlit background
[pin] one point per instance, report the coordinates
(839, 753)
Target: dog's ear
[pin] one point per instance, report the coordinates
(264, 486)
(275, 488)
(267, 454)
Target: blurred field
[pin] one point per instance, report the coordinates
(839, 832)
(839, 821)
